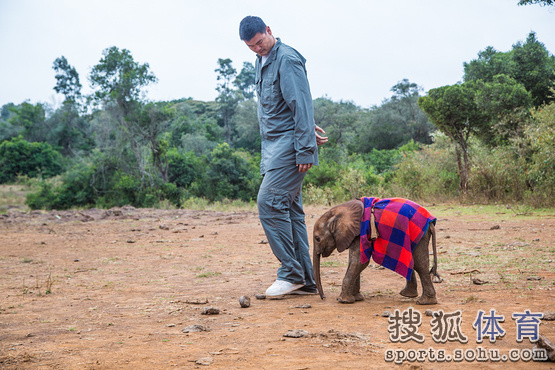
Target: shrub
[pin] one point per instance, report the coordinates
(20, 157)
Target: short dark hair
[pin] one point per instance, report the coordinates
(250, 26)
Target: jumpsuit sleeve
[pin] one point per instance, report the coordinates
(296, 93)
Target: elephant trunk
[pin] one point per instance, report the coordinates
(316, 267)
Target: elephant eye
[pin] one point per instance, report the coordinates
(317, 239)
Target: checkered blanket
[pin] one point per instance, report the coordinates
(401, 224)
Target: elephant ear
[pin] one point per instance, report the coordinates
(345, 225)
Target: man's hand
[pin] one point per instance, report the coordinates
(320, 139)
(304, 167)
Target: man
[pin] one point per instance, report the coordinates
(289, 150)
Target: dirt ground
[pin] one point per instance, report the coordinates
(126, 288)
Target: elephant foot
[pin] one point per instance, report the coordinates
(359, 297)
(410, 293)
(346, 299)
(426, 300)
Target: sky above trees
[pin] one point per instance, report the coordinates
(356, 50)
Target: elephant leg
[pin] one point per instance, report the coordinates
(411, 287)
(350, 290)
(422, 265)
(356, 292)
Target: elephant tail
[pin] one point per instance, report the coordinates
(433, 271)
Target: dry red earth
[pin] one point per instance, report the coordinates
(115, 289)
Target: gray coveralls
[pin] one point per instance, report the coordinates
(286, 118)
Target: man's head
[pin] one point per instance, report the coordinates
(258, 37)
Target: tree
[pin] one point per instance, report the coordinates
(528, 63)
(67, 80)
(20, 157)
(68, 128)
(540, 2)
(228, 98)
(32, 119)
(506, 104)
(397, 121)
(118, 78)
(406, 96)
(339, 119)
(454, 111)
(228, 175)
(536, 69)
(245, 80)
(119, 81)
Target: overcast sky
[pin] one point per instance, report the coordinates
(356, 50)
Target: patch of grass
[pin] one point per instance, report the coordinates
(13, 196)
(330, 263)
(201, 204)
(208, 274)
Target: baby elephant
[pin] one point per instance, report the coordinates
(340, 228)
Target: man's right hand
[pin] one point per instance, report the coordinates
(320, 139)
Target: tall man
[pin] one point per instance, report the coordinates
(289, 150)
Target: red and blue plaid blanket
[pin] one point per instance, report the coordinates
(401, 224)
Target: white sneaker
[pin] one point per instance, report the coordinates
(281, 287)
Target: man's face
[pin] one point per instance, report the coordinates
(262, 43)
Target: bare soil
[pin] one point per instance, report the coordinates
(117, 288)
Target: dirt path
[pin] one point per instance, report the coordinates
(116, 289)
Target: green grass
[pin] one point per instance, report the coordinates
(13, 196)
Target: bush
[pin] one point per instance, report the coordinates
(427, 174)
(20, 157)
(540, 133)
(229, 175)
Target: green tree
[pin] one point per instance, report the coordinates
(245, 80)
(32, 121)
(119, 82)
(246, 126)
(454, 111)
(529, 63)
(536, 69)
(405, 101)
(338, 119)
(506, 104)
(227, 98)
(541, 2)
(67, 80)
(20, 157)
(118, 78)
(228, 175)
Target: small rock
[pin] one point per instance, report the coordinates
(299, 333)
(478, 281)
(264, 241)
(386, 314)
(210, 311)
(195, 329)
(171, 325)
(164, 227)
(429, 312)
(260, 296)
(549, 316)
(205, 361)
(496, 227)
(302, 306)
(534, 278)
(244, 301)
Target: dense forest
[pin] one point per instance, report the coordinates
(489, 138)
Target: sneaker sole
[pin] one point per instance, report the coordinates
(302, 292)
